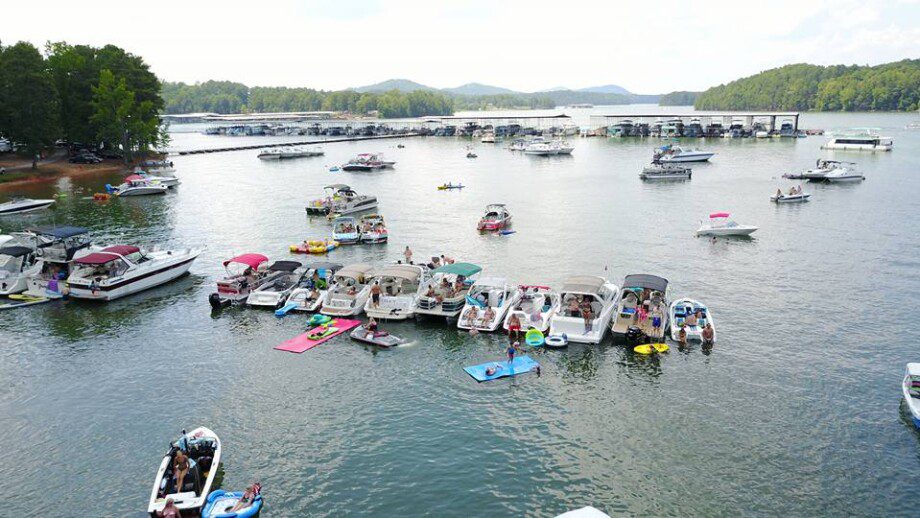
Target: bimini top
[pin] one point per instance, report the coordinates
(323, 265)
(355, 271)
(719, 215)
(134, 178)
(497, 282)
(464, 269)
(251, 260)
(16, 251)
(652, 282)
(284, 266)
(98, 258)
(60, 232)
(122, 249)
(400, 271)
(583, 284)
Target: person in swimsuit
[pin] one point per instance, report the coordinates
(408, 254)
(511, 350)
(375, 294)
(248, 496)
(169, 510)
(371, 327)
(492, 369)
(708, 334)
(514, 328)
(180, 468)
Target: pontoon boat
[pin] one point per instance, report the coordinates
(282, 153)
(243, 274)
(56, 249)
(659, 171)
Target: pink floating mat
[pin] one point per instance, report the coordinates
(301, 343)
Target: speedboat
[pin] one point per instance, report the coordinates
(289, 152)
(341, 199)
(349, 291)
(168, 181)
(798, 197)
(552, 148)
(721, 224)
(844, 175)
(486, 304)
(676, 154)
(399, 291)
(345, 230)
(366, 162)
(17, 263)
(21, 205)
(444, 294)
(243, 274)
(534, 307)
(823, 168)
(520, 144)
(116, 271)
(373, 229)
(281, 279)
(578, 290)
(681, 311)
(136, 185)
(203, 449)
(157, 167)
(911, 389)
(645, 296)
(310, 291)
(56, 248)
(496, 217)
(659, 171)
(865, 140)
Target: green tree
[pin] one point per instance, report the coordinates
(122, 119)
(28, 99)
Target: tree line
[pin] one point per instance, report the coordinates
(100, 97)
(888, 87)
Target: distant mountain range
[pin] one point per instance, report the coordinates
(405, 85)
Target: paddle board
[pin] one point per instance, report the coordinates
(647, 348)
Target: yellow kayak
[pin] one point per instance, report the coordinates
(651, 348)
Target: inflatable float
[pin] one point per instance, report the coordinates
(556, 341)
(651, 348)
(220, 502)
(315, 246)
(534, 337)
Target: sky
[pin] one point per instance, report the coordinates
(646, 47)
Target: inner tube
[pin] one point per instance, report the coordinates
(556, 341)
(534, 337)
(318, 319)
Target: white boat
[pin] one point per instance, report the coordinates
(309, 293)
(243, 274)
(911, 389)
(349, 291)
(366, 162)
(341, 199)
(677, 154)
(799, 197)
(721, 224)
(488, 138)
(865, 140)
(534, 307)
(661, 171)
(444, 293)
(56, 248)
(168, 181)
(21, 205)
(281, 279)
(642, 294)
(486, 304)
(158, 167)
(137, 185)
(17, 263)
(601, 294)
(761, 134)
(282, 153)
(520, 144)
(116, 271)
(203, 449)
(373, 229)
(345, 230)
(552, 148)
(680, 317)
(400, 285)
(823, 168)
(844, 175)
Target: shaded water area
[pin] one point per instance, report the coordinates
(796, 411)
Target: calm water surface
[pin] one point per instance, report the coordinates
(796, 411)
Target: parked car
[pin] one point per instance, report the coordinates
(85, 158)
(5, 145)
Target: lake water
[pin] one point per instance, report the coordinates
(795, 412)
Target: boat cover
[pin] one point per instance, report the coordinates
(464, 269)
(252, 260)
(652, 282)
(97, 258)
(400, 271)
(520, 365)
(354, 271)
(122, 249)
(16, 251)
(284, 266)
(583, 284)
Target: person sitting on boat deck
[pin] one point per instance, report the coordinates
(352, 290)
(248, 496)
(682, 336)
(691, 319)
(481, 299)
(514, 327)
(536, 318)
(458, 284)
(779, 193)
(472, 314)
(488, 315)
(180, 469)
(169, 510)
(708, 334)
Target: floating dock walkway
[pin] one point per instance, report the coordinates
(299, 143)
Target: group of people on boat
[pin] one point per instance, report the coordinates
(707, 333)
(446, 289)
(793, 191)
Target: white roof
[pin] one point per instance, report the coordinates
(584, 512)
(499, 282)
(913, 369)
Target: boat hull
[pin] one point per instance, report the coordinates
(120, 287)
(22, 208)
(725, 232)
(798, 198)
(700, 157)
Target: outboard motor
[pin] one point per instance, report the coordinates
(109, 189)
(217, 302)
(634, 336)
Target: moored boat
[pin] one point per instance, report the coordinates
(22, 205)
(345, 230)
(341, 199)
(399, 286)
(677, 154)
(56, 249)
(349, 291)
(202, 448)
(910, 386)
(310, 291)
(866, 139)
(579, 292)
(137, 185)
(659, 171)
(643, 298)
(692, 316)
(790, 197)
(444, 294)
(366, 162)
(376, 337)
(242, 275)
(486, 304)
(721, 224)
(552, 148)
(286, 152)
(534, 307)
(281, 278)
(373, 229)
(116, 271)
(496, 217)
(17, 263)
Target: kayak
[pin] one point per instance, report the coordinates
(651, 348)
(449, 187)
(378, 338)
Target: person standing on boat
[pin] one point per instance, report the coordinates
(588, 314)
(408, 254)
(375, 294)
(180, 468)
(514, 328)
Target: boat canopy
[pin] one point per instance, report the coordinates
(719, 215)
(652, 282)
(284, 266)
(251, 260)
(356, 271)
(464, 269)
(323, 265)
(122, 249)
(344, 219)
(60, 232)
(583, 284)
(400, 271)
(16, 251)
(97, 258)
(134, 178)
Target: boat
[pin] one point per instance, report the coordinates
(799, 197)
(203, 449)
(349, 291)
(844, 175)
(220, 503)
(56, 249)
(488, 138)
(865, 140)
(823, 168)
(665, 171)
(444, 293)
(552, 148)
(19, 205)
(399, 285)
(721, 224)
(282, 153)
(677, 154)
(680, 310)
(157, 167)
(310, 291)
(168, 181)
(373, 229)
(520, 144)
(137, 185)
(378, 338)
(242, 274)
(601, 294)
(534, 307)
(486, 304)
(496, 217)
(366, 162)
(341, 199)
(911, 389)
(281, 279)
(345, 230)
(17, 263)
(450, 186)
(116, 271)
(642, 298)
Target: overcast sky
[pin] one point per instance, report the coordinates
(646, 47)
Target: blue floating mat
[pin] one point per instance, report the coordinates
(284, 310)
(520, 365)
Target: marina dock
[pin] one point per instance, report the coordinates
(300, 143)
(727, 124)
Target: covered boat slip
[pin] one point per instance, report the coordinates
(643, 302)
(445, 293)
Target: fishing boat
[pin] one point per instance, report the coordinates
(349, 291)
(203, 449)
(496, 217)
(310, 291)
(242, 275)
(345, 230)
(137, 185)
(721, 224)
(117, 271)
(661, 171)
(642, 298)
(399, 285)
(486, 304)
(534, 306)
(281, 279)
(692, 316)
(861, 139)
(283, 153)
(367, 162)
(444, 293)
(797, 197)
(56, 248)
(373, 229)
(552, 148)
(677, 154)
(17, 263)
(911, 389)
(342, 200)
(579, 291)
(19, 205)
